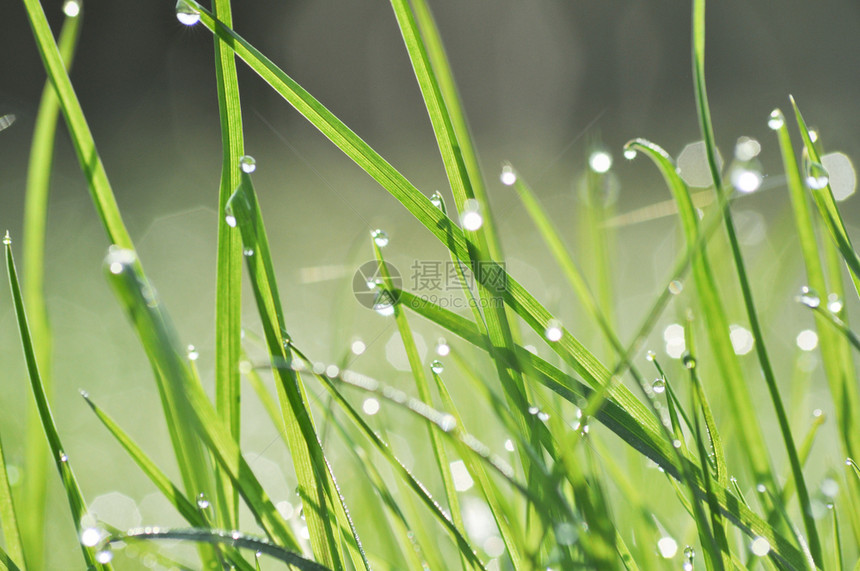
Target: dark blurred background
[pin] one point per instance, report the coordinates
(543, 82)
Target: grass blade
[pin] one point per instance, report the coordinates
(82, 137)
(186, 397)
(228, 280)
(232, 538)
(70, 483)
(316, 483)
(8, 518)
(35, 216)
(749, 304)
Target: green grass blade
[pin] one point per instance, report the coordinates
(193, 514)
(8, 517)
(70, 483)
(228, 280)
(448, 90)
(423, 387)
(826, 204)
(82, 137)
(35, 218)
(316, 483)
(188, 398)
(746, 291)
(232, 538)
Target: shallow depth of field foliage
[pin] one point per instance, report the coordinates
(710, 422)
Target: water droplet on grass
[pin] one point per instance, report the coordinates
(104, 556)
(834, 304)
(248, 164)
(776, 120)
(659, 385)
(471, 218)
(651, 355)
(231, 220)
(380, 238)
(193, 354)
(809, 297)
(689, 555)
(202, 502)
(436, 199)
(91, 537)
(186, 13)
(247, 252)
(7, 239)
(667, 547)
(553, 331)
(508, 176)
(760, 546)
(675, 287)
(600, 161)
(437, 367)
(72, 8)
(689, 361)
(63, 457)
(630, 154)
(817, 176)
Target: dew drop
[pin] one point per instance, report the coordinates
(630, 154)
(553, 331)
(248, 252)
(7, 239)
(659, 385)
(380, 237)
(231, 220)
(651, 356)
(508, 176)
(808, 297)
(760, 546)
(385, 310)
(667, 547)
(436, 199)
(437, 367)
(689, 555)
(247, 164)
(509, 445)
(817, 176)
(258, 554)
(202, 502)
(834, 304)
(471, 218)
(761, 488)
(91, 537)
(675, 287)
(192, 352)
(105, 555)
(776, 120)
(442, 348)
(746, 178)
(186, 14)
(370, 406)
(676, 443)
(72, 8)
(448, 423)
(689, 361)
(813, 135)
(600, 161)
(63, 457)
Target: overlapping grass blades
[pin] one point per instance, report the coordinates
(746, 292)
(324, 507)
(35, 218)
(228, 281)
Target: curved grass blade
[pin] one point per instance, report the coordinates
(220, 537)
(186, 397)
(749, 304)
(35, 217)
(325, 508)
(6, 562)
(82, 137)
(70, 482)
(193, 514)
(228, 275)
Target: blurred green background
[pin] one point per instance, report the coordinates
(543, 83)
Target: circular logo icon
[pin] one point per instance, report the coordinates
(368, 285)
